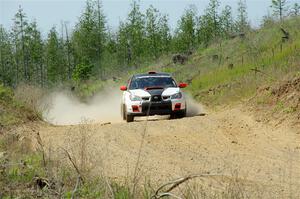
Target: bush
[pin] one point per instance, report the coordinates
(6, 94)
(82, 71)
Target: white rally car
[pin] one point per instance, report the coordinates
(153, 94)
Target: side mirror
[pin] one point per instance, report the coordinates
(182, 85)
(123, 88)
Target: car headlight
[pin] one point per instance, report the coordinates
(177, 96)
(135, 98)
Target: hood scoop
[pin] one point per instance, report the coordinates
(153, 88)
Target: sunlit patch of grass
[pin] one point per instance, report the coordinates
(260, 51)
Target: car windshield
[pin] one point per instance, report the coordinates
(151, 82)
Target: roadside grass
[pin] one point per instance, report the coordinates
(266, 61)
(13, 111)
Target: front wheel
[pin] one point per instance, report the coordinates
(178, 115)
(129, 118)
(181, 114)
(123, 108)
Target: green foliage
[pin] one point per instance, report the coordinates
(295, 10)
(157, 33)
(134, 36)
(82, 71)
(6, 117)
(6, 94)
(213, 16)
(242, 24)
(90, 36)
(140, 39)
(262, 50)
(279, 8)
(18, 32)
(35, 49)
(6, 58)
(185, 35)
(25, 174)
(12, 111)
(55, 60)
(209, 25)
(227, 22)
(121, 192)
(267, 21)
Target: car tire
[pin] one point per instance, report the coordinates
(129, 118)
(178, 115)
(123, 112)
(181, 114)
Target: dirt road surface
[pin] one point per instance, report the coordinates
(231, 143)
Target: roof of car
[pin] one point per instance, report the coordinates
(152, 74)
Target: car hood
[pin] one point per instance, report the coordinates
(148, 93)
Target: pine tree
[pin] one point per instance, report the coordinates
(227, 22)
(165, 35)
(204, 30)
(209, 25)
(242, 24)
(7, 70)
(89, 37)
(185, 35)
(295, 10)
(152, 32)
(135, 32)
(123, 47)
(212, 12)
(21, 54)
(101, 35)
(69, 52)
(157, 32)
(35, 54)
(54, 58)
(279, 8)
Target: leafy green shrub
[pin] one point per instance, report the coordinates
(6, 94)
(82, 71)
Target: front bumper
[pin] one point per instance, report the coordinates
(146, 108)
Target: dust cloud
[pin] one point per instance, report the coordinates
(65, 109)
(193, 107)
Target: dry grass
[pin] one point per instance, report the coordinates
(32, 97)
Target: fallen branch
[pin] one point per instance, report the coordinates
(74, 165)
(176, 183)
(161, 195)
(256, 70)
(40, 142)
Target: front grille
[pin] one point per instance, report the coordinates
(145, 98)
(156, 98)
(157, 108)
(162, 107)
